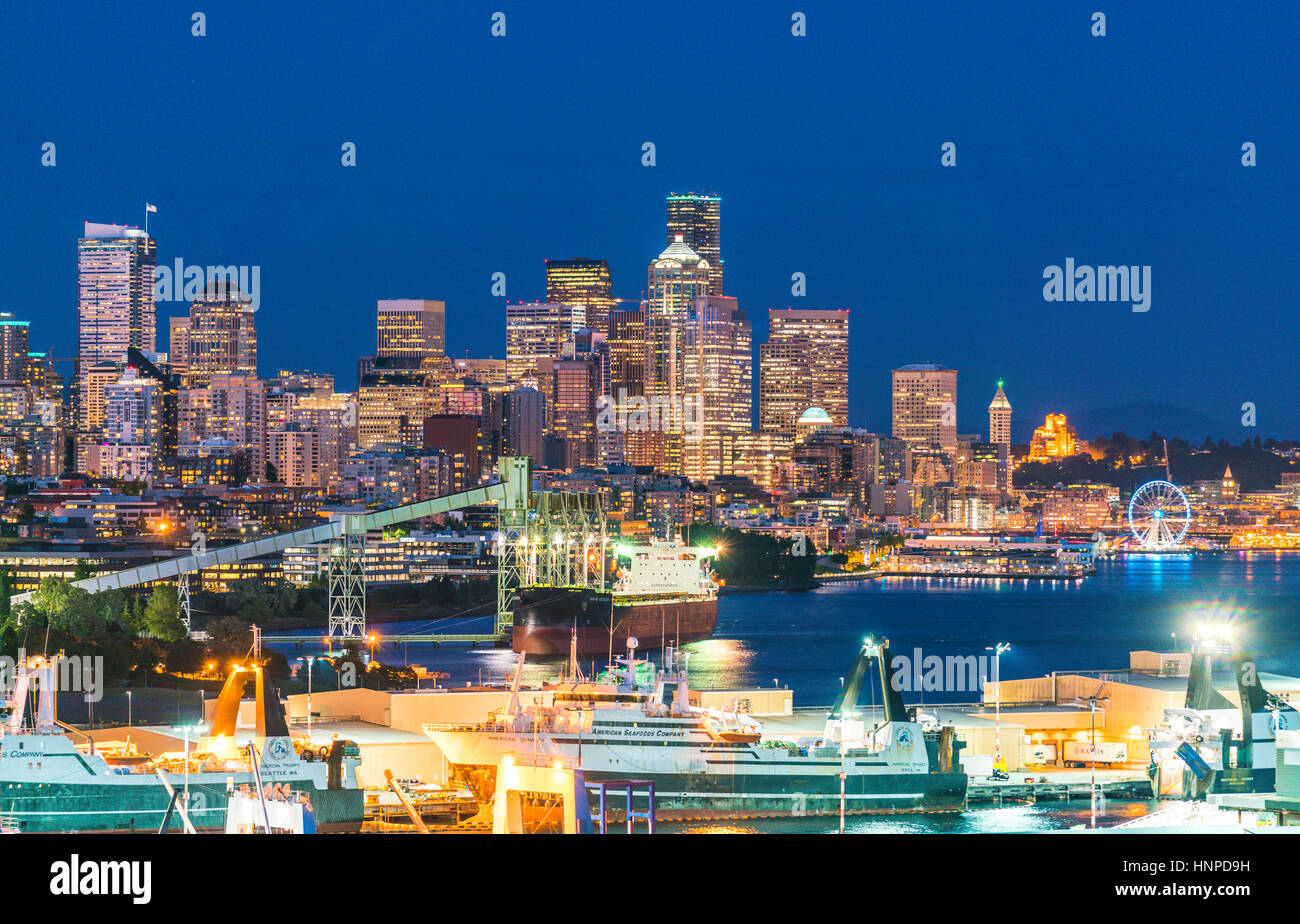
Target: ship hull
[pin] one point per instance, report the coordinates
(545, 619)
(140, 806)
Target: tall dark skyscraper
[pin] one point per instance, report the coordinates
(582, 282)
(698, 219)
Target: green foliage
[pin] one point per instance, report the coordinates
(756, 559)
(162, 614)
(230, 637)
(185, 656)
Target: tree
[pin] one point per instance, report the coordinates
(185, 656)
(162, 614)
(231, 636)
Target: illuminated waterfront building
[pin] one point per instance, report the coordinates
(582, 282)
(221, 339)
(411, 328)
(803, 364)
(698, 220)
(1000, 419)
(925, 406)
(115, 306)
(1055, 439)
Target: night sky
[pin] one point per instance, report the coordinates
(478, 154)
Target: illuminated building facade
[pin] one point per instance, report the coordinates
(537, 331)
(115, 305)
(803, 364)
(221, 339)
(14, 347)
(698, 219)
(582, 282)
(717, 381)
(1000, 419)
(925, 406)
(1055, 439)
(675, 279)
(411, 328)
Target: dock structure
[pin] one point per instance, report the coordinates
(1057, 785)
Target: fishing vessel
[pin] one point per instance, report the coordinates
(638, 723)
(48, 783)
(666, 594)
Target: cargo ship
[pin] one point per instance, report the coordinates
(49, 784)
(666, 594)
(638, 723)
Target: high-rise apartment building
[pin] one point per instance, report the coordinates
(221, 339)
(1000, 418)
(804, 364)
(411, 328)
(115, 302)
(14, 347)
(583, 282)
(698, 219)
(925, 406)
(717, 382)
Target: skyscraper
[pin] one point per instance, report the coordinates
(583, 282)
(115, 301)
(1000, 418)
(14, 347)
(675, 279)
(698, 219)
(925, 406)
(411, 328)
(221, 338)
(717, 382)
(804, 364)
(537, 331)
(178, 343)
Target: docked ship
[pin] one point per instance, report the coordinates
(665, 595)
(638, 723)
(50, 784)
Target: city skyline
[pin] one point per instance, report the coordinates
(940, 264)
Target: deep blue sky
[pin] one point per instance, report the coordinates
(480, 154)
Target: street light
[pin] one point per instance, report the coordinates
(997, 707)
(309, 664)
(128, 708)
(1092, 709)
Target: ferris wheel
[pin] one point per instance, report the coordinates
(1159, 515)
